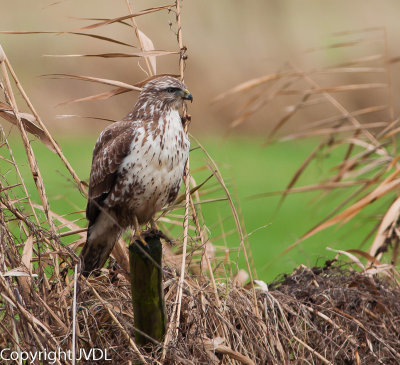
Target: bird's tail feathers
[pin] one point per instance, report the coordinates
(101, 238)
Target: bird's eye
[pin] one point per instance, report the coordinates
(171, 89)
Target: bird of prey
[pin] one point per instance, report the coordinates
(137, 168)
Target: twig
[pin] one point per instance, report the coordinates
(175, 316)
(74, 316)
(309, 348)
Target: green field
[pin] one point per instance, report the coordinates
(248, 169)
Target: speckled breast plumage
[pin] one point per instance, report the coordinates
(150, 176)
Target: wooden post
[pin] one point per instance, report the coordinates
(147, 290)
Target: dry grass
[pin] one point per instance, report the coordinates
(369, 133)
(312, 316)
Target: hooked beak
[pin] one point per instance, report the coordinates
(187, 95)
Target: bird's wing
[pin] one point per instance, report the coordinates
(111, 148)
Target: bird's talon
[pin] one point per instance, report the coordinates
(140, 238)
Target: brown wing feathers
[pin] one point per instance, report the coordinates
(116, 141)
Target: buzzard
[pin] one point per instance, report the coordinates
(137, 168)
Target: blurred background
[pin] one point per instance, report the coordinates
(229, 42)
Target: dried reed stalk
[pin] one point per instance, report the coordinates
(370, 128)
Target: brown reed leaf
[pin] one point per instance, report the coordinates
(380, 191)
(26, 260)
(216, 345)
(15, 273)
(155, 53)
(145, 81)
(129, 16)
(122, 87)
(336, 89)
(358, 31)
(332, 130)
(101, 96)
(100, 19)
(365, 255)
(181, 197)
(28, 120)
(26, 257)
(61, 116)
(389, 220)
(301, 189)
(102, 38)
(261, 101)
(360, 60)
(148, 46)
(250, 84)
(95, 79)
(343, 44)
(289, 115)
(96, 36)
(342, 118)
(358, 69)
(299, 172)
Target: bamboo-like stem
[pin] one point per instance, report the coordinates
(184, 248)
(180, 38)
(175, 316)
(74, 315)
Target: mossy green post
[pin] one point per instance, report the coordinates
(147, 290)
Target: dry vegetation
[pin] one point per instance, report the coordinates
(368, 133)
(324, 315)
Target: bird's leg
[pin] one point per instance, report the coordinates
(153, 225)
(138, 232)
(157, 231)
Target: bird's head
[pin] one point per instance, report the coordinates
(166, 90)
